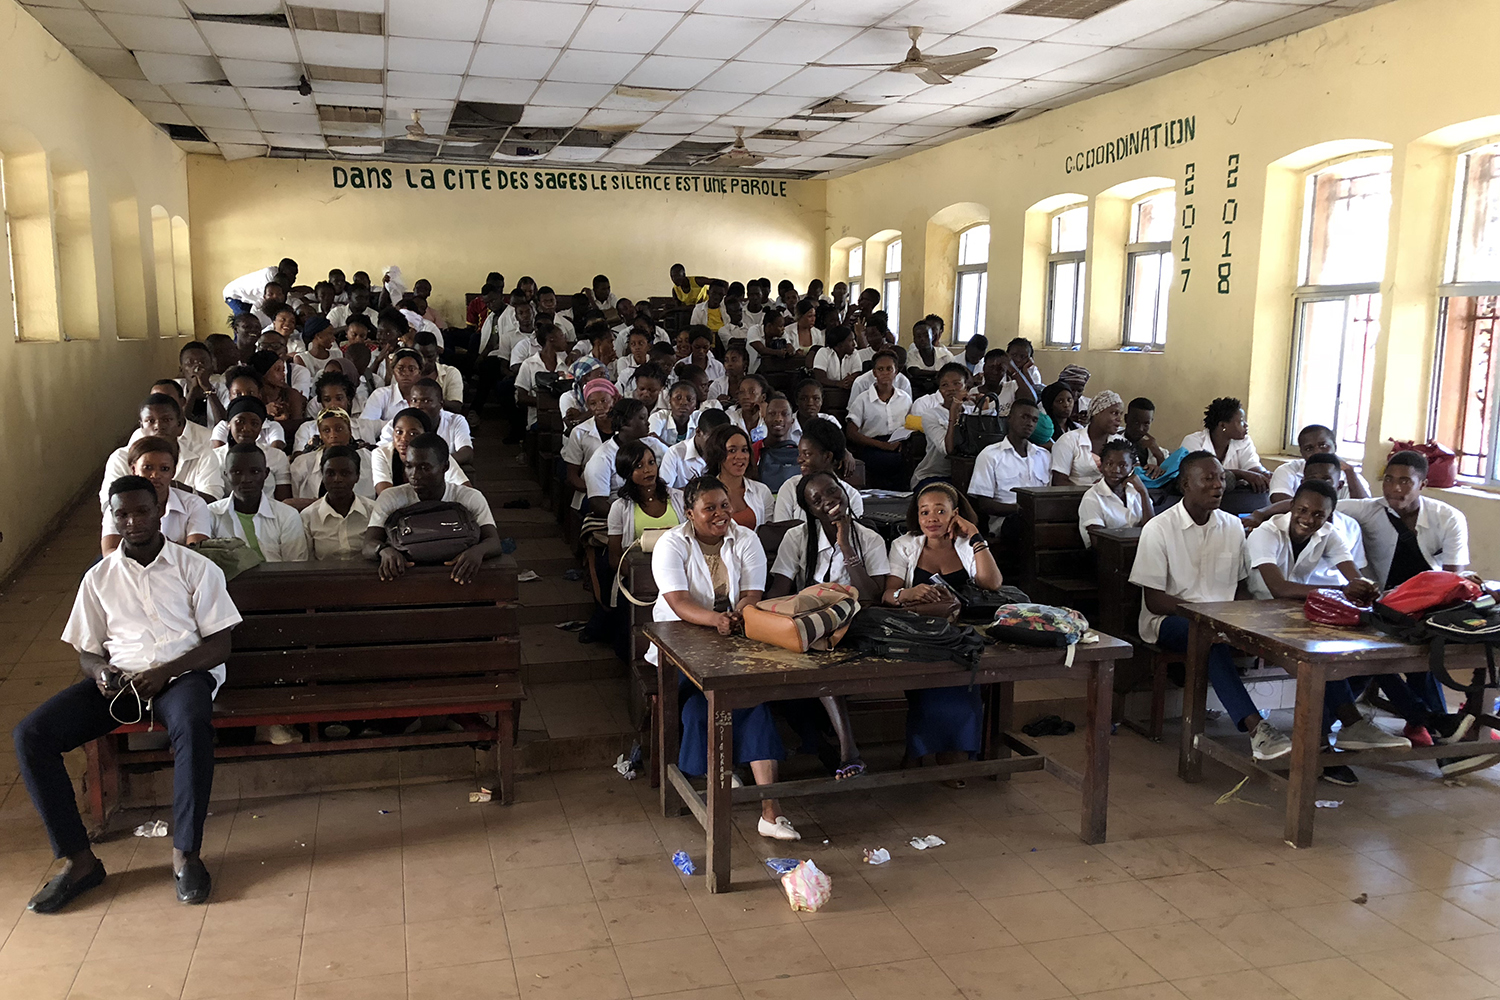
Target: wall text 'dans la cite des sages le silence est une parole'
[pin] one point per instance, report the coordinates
(578, 181)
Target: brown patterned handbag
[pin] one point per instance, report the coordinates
(814, 618)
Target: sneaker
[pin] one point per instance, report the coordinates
(1365, 735)
(1452, 728)
(782, 829)
(1418, 735)
(1339, 774)
(1452, 767)
(1268, 742)
(277, 735)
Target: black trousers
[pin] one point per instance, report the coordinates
(78, 714)
(490, 375)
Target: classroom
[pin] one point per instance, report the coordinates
(711, 500)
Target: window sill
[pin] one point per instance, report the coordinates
(1469, 492)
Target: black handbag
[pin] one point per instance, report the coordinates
(977, 431)
(432, 531)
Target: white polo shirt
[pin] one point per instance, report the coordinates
(526, 377)
(682, 463)
(664, 427)
(787, 508)
(138, 616)
(877, 418)
(452, 428)
(398, 497)
(794, 432)
(1240, 455)
(364, 430)
(278, 471)
(827, 360)
(380, 467)
(270, 434)
(906, 552)
(867, 380)
(250, 288)
(1187, 560)
(186, 514)
(580, 446)
(332, 535)
(1073, 456)
(1317, 565)
(999, 469)
(384, 403)
(278, 528)
(940, 357)
(791, 557)
(1288, 477)
(935, 425)
(1442, 533)
(1100, 506)
(599, 472)
(677, 564)
(307, 475)
(197, 468)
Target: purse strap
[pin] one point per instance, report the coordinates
(620, 576)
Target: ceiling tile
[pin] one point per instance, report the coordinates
(163, 68)
(897, 113)
(515, 62)
(425, 85)
(861, 13)
(484, 88)
(253, 73)
(156, 34)
(205, 95)
(641, 103)
(458, 20)
(605, 118)
(1020, 27)
(576, 154)
(1225, 20)
(674, 124)
(962, 90)
(1038, 58)
(115, 62)
(577, 66)
(674, 72)
(703, 33)
(633, 156)
(884, 86)
(59, 4)
(1164, 67)
(139, 90)
(951, 117)
(707, 102)
(854, 131)
(881, 46)
(249, 136)
(532, 22)
(817, 81)
(1131, 19)
(1029, 92)
(1108, 64)
(297, 140)
(569, 95)
(250, 41)
(74, 27)
(364, 6)
(235, 151)
(159, 8)
(612, 29)
(773, 106)
(337, 48)
(217, 6)
(204, 116)
(945, 16)
(353, 129)
(280, 121)
(360, 95)
(1274, 29)
(647, 141)
(166, 114)
(542, 116)
(739, 8)
(797, 42)
(428, 55)
(740, 77)
(261, 99)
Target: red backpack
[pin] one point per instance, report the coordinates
(1429, 591)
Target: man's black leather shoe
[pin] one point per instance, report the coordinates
(193, 882)
(62, 890)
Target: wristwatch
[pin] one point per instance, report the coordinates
(897, 596)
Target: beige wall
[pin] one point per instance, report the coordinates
(84, 171)
(1384, 77)
(250, 213)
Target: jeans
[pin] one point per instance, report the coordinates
(1413, 696)
(1173, 637)
(236, 307)
(80, 713)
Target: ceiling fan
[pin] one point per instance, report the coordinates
(931, 69)
(416, 133)
(738, 155)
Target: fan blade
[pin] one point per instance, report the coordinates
(930, 75)
(957, 69)
(823, 65)
(984, 52)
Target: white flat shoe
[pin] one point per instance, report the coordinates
(782, 829)
(735, 782)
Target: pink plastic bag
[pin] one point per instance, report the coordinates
(807, 887)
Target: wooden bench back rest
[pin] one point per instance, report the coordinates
(336, 621)
(1119, 599)
(1049, 539)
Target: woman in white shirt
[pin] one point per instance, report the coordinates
(645, 502)
(246, 417)
(706, 571)
(335, 428)
(840, 362)
(243, 381)
(925, 353)
(829, 546)
(727, 456)
(940, 553)
(1077, 454)
(388, 400)
(387, 462)
(1120, 499)
(336, 521)
(1226, 435)
(750, 413)
(820, 450)
(184, 517)
(599, 394)
(876, 426)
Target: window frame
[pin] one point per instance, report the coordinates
(10, 259)
(1135, 254)
(855, 277)
(891, 282)
(1071, 258)
(963, 271)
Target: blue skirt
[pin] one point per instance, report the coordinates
(755, 735)
(944, 720)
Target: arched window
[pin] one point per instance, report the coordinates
(1148, 270)
(971, 290)
(1345, 218)
(1065, 277)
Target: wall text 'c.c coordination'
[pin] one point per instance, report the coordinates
(1173, 132)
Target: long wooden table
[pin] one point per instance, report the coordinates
(735, 672)
(1279, 633)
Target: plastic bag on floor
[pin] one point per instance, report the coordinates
(807, 887)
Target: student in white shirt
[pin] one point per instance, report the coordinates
(679, 421)
(600, 296)
(273, 529)
(876, 425)
(151, 625)
(248, 291)
(426, 459)
(450, 379)
(184, 516)
(197, 467)
(686, 460)
(551, 356)
(939, 412)
(1315, 439)
(975, 350)
(589, 435)
(335, 523)
(805, 338)
(1119, 499)
(1329, 469)
(335, 391)
(749, 415)
(727, 457)
(633, 352)
(427, 396)
(840, 362)
(706, 571)
(359, 305)
(388, 400)
(924, 353)
(821, 449)
(1009, 463)
(246, 418)
(709, 313)
(307, 468)
(388, 461)
(1226, 435)
(321, 347)
(1077, 454)
(646, 502)
(246, 383)
(1194, 552)
(628, 417)
(809, 408)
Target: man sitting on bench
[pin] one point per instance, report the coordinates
(151, 625)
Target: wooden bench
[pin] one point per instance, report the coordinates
(330, 642)
(1055, 567)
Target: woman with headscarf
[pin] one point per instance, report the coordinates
(1076, 378)
(1076, 456)
(1056, 418)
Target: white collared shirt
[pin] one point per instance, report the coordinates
(278, 471)
(678, 565)
(526, 377)
(307, 475)
(906, 552)
(364, 430)
(250, 288)
(339, 315)
(1240, 455)
(599, 472)
(935, 463)
(621, 519)
(1073, 456)
(787, 508)
(940, 357)
(794, 432)
(452, 428)
(1100, 506)
(828, 361)
(380, 467)
(278, 528)
(878, 418)
(186, 514)
(1317, 565)
(1190, 561)
(270, 434)
(198, 468)
(867, 380)
(999, 469)
(1442, 533)
(399, 497)
(682, 463)
(791, 557)
(384, 403)
(140, 616)
(1288, 477)
(580, 446)
(756, 432)
(332, 535)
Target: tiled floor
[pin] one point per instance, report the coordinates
(410, 891)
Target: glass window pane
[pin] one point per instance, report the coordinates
(1070, 230)
(974, 245)
(1477, 247)
(1152, 218)
(1335, 366)
(856, 263)
(1146, 317)
(1065, 324)
(891, 299)
(1463, 407)
(969, 305)
(1351, 207)
(893, 257)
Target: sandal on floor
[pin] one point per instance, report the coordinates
(849, 769)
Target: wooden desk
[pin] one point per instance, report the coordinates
(1278, 632)
(1119, 599)
(735, 672)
